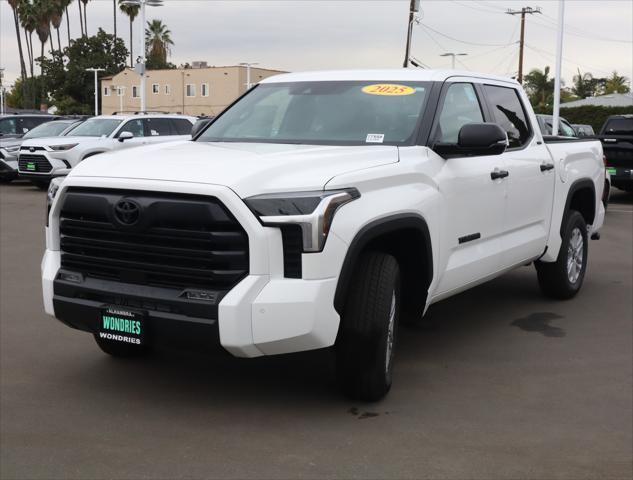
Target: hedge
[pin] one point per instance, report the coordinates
(591, 114)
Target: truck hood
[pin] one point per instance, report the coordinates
(10, 142)
(247, 168)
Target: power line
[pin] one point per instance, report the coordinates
(578, 32)
(465, 42)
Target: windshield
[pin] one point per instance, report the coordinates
(323, 113)
(96, 127)
(50, 129)
(619, 126)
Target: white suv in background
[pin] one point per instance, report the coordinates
(45, 158)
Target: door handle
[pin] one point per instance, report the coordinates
(547, 166)
(496, 173)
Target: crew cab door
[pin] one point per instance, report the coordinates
(159, 130)
(531, 179)
(473, 203)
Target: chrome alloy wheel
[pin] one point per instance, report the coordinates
(575, 255)
(390, 334)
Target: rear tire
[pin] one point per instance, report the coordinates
(121, 350)
(563, 278)
(368, 331)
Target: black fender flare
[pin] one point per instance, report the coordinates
(372, 231)
(573, 188)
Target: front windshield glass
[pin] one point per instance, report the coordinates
(324, 113)
(96, 127)
(620, 126)
(50, 129)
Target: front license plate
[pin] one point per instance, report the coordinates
(120, 324)
(611, 170)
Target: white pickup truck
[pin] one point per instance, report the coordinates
(41, 159)
(320, 210)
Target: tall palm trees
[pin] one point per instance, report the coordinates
(158, 40)
(131, 11)
(616, 84)
(85, 2)
(539, 86)
(57, 12)
(14, 7)
(28, 21)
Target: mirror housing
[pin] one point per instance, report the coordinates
(200, 125)
(123, 136)
(476, 139)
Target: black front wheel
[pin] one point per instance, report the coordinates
(367, 336)
(563, 278)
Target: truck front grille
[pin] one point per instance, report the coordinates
(33, 163)
(177, 241)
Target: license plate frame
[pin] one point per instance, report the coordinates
(122, 325)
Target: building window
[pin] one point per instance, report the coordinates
(135, 92)
(167, 90)
(205, 89)
(106, 91)
(191, 90)
(155, 88)
(120, 91)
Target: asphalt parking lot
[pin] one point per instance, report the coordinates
(506, 384)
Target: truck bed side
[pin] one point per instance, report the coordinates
(579, 168)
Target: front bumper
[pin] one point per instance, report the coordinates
(264, 314)
(8, 169)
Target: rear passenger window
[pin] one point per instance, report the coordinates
(158, 127)
(460, 107)
(509, 114)
(181, 126)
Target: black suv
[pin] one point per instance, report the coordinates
(617, 142)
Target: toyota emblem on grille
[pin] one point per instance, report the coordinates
(127, 212)
(32, 149)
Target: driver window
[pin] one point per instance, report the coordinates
(460, 107)
(135, 127)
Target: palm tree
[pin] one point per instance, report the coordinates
(131, 11)
(539, 86)
(158, 40)
(114, 6)
(28, 20)
(616, 84)
(14, 6)
(81, 18)
(57, 13)
(43, 13)
(85, 2)
(584, 84)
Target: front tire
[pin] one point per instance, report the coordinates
(563, 278)
(368, 332)
(118, 349)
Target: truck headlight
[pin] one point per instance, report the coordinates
(312, 211)
(62, 148)
(53, 188)
(12, 149)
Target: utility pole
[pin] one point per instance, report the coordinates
(414, 7)
(559, 63)
(1, 92)
(96, 71)
(523, 12)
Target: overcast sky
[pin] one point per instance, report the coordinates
(309, 35)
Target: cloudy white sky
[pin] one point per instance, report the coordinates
(324, 34)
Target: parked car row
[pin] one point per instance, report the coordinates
(53, 148)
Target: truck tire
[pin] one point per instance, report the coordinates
(118, 349)
(366, 340)
(563, 278)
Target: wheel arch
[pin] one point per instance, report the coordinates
(582, 198)
(407, 238)
(92, 154)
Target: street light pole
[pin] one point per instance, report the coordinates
(453, 55)
(96, 71)
(414, 7)
(559, 63)
(248, 72)
(1, 92)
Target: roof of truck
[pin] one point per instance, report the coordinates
(394, 74)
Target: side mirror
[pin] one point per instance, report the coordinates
(476, 139)
(123, 136)
(199, 126)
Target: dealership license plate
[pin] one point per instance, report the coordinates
(611, 170)
(122, 325)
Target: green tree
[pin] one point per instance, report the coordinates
(131, 11)
(586, 85)
(71, 88)
(539, 87)
(158, 41)
(25, 94)
(28, 21)
(616, 84)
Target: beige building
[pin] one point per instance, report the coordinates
(192, 91)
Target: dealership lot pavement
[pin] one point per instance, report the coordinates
(504, 384)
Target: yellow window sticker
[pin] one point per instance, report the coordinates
(389, 89)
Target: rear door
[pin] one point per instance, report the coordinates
(159, 130)
(473, 202)
(531, 177)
